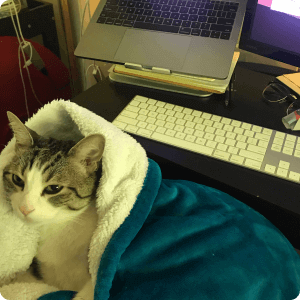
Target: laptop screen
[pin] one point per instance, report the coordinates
(277, 23)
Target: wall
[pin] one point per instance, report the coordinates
(76, 11)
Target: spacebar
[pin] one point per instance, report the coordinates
(156, 27)
(182, 143)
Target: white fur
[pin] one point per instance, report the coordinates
(124, 165)
(67, 250)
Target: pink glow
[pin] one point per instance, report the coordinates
(280, 6)
(265, 2)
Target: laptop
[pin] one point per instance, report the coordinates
(195, 37)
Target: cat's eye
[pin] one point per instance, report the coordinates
(53, 189)
(17, 180)
(50, 189)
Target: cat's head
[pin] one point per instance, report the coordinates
(49, 180)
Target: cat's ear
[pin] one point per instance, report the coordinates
(24, 136)
(89, 151)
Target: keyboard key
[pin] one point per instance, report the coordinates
(127, 120)
(139, 11)
(190, 4)
(251, 155)
(179, 143)
(223, 21)
(215, 34)
(230, 8)
(222, 28)
(183, 10)
(211, 13)
(209, 6)
(118, 22)
(174, 9)
(157, 7)
(225, 36)
(237, 159)
(185, 30)
(193, 18)
(101, 20)
(109, 21)
(165, 14)
(195, 25)
(183, 17)
(158, 20)
(157, 27)
(230, 15)
(252, 163)
(149, 19)
(218, 6)
(110, 8)
(168, 22)
(212, 20)
(177, 23)
(195, 32)
(186, 24)
(202, 12)
(205, 33)
(128, 23)
(181, 3)
(139, 5)
(221, 14)
(148, 6)
(141, 18)
(221, 154)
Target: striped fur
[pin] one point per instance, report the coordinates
(57, 182)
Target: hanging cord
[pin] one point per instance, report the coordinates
(27, 63)
(96, 68)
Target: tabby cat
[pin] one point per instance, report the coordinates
(52, 184)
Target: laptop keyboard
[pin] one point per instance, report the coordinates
(205, 18)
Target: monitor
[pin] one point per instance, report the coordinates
(272, 29)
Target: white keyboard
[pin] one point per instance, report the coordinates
(265, 150)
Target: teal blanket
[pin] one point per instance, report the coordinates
(184, 240)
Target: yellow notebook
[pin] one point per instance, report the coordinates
(187, 81)
(292, 81)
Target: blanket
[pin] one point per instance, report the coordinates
(156, 238)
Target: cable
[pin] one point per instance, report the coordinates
(27, 63)
(96, 68)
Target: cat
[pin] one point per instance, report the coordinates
(52, 184)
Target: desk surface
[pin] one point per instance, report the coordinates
(262, 192)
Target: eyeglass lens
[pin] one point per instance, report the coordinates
(276, 92)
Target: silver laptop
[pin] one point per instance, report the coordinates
(196, 37)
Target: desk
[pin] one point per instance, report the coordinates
(273, 197)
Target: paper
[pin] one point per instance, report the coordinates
(291, 7)
(292, 81)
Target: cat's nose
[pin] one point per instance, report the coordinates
(25, 211)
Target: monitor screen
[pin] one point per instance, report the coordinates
(272, 29)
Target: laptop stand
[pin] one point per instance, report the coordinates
(122, 78)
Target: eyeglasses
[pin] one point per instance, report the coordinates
(276, 92)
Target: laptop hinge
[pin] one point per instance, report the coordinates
(153, 69)
(133, 66)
